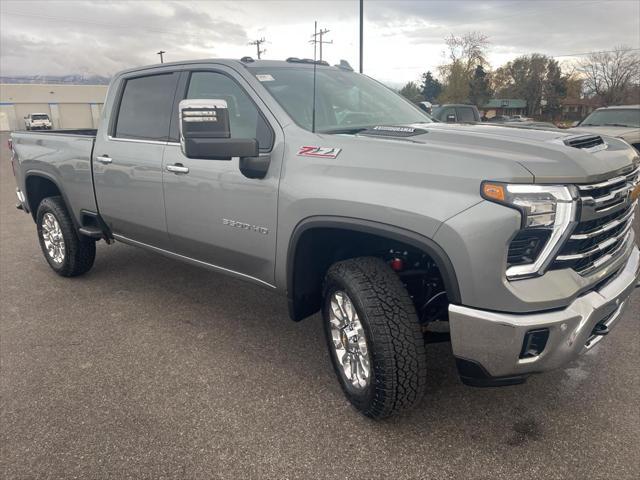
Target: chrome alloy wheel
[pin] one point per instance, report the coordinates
(349, 341)
(53, 239)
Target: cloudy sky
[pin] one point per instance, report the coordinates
(402, 38)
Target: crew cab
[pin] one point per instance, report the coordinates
(37, 121)
(322, 185)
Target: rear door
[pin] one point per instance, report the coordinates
(128, 158)
(215, 214)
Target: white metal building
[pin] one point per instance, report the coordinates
(68, 106)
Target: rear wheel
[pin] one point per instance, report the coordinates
(67, 253)
(374, 339)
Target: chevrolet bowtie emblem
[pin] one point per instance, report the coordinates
(635, 193)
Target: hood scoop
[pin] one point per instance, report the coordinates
(392, 131)
(586, 142)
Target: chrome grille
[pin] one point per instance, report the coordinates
(605, 225)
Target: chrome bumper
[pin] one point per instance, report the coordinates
(492, 342)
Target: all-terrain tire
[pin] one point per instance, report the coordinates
(394, 338)
(79, 251)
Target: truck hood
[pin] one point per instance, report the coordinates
(543, 153)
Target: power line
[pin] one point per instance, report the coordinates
(594, 52)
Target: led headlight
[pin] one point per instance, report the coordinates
(548, 215)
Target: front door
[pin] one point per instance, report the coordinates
(214, 213)
(128, 159)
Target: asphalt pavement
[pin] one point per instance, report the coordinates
(149, 368)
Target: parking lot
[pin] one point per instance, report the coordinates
(150, 368)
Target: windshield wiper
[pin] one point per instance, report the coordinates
(615, 125)
(351, 131)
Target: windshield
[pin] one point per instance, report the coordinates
(39, 117)
(345, 100)
(616, 117)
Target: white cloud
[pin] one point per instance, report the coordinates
(402, 38)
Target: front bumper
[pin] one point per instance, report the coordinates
(488, 345)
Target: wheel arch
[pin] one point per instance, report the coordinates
(40, 185)
(302, 293)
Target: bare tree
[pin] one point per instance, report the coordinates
(470, 50)
(611, 75)
(465, 53)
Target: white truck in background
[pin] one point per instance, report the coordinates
(37, 121)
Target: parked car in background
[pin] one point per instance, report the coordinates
(426, 107)
(519, 118)
(37, 121)
(499, 119)
(620, 121)
(456, 113)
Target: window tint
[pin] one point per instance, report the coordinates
(244, 118)
(465, 114)
(446, 112)
(145, 107)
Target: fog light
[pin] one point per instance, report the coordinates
(534, 343)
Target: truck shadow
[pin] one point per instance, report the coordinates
(253, 324)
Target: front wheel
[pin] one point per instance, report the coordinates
(374, 339)
(67, 253)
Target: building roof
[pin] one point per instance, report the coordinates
(505, 103)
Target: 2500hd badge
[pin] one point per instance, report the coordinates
(245, 226)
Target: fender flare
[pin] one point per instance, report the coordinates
(425, 244)
(47, 176)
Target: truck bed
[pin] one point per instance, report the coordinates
(62, 157)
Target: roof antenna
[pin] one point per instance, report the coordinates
(313, 108)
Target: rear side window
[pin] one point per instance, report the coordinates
(446, 112)
(145, 107)
(465, 114)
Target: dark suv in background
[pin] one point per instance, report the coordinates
(456, 113)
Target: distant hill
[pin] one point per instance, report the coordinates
(56, 79)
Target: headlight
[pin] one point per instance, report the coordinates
(548, 215)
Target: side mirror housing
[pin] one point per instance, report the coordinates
(205, 132)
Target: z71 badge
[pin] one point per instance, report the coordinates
(322, 152)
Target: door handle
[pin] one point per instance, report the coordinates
(178, 168)
(104, 159)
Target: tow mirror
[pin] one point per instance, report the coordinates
(205, 132)
(451, 118)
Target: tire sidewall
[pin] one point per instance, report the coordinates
(44, 208)
(361, 398)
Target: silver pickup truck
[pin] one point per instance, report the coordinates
(323, 185)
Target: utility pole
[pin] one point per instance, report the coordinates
(257, 43)
(316, 39)
(361, 30)
(161, 57)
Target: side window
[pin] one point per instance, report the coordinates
(466, 115)
(244, 117)
(145, 107)
(446, 112)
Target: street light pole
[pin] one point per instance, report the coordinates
(361, 30)
(161, 57)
